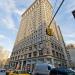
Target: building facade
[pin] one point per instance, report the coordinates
(32, 44)
(6, 66)
(71, 55)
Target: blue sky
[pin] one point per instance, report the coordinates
(10, 16)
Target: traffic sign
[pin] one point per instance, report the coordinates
(73, 13)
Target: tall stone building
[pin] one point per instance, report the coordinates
(70, 49)
(32, 44)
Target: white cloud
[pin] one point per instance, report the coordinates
(6, 43)
(8, 7)
(70, 6)
(70, 41)
(69, 37)
(2, 37)
(8, 22)
(69, 34)
(5, 38)
(20, 12)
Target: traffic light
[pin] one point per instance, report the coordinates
(49, 31)
(73, 13)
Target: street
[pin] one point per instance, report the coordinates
(2, 73)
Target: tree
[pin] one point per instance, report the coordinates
(4, 54)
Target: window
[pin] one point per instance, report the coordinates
(30, 48)
(60, 55)
(63, 56)
(17, 52)
(40, 52)
(21, 56)
(49, 60)
(40, 45)
(35, 53)
(29, 55)
(35, 46)
(49, 68)
(15, 58)
(55, 47)
(22, 50)
(53, 72)
(18, 57)
(52, 45)
(58, 72)
(57, 54)
(53, 52)
(48, 52)
(25, 56)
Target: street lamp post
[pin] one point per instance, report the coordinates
(49, 29)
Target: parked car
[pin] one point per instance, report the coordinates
(2, 71)
(72, 69)
(42, 69)
(19, 72)
(61, 71)
(10, 73)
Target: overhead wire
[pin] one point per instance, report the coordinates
(56, 12)
(54, 6)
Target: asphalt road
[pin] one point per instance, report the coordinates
(2, 73)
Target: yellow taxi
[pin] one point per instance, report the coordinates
(9, 72)
(19, 72)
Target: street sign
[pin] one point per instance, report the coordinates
(73, 13)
